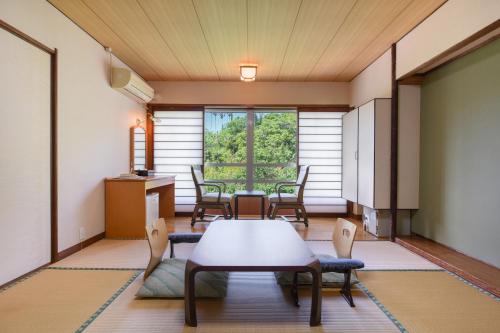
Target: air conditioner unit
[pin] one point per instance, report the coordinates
(130, 84)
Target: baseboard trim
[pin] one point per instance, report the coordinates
(183, 214)
(450, 267)
(77, 247)
(333, 215)
(22, 277)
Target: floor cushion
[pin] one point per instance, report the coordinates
(329, 279)
(167, 281)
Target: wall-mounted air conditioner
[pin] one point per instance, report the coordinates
(130, 84)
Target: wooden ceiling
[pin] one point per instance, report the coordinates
(290, 40)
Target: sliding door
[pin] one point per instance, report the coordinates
(25, 149)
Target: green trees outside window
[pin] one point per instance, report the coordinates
(250, 149)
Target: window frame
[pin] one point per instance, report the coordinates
(152, 107)
(249, 164)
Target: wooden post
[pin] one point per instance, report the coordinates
(394, 145)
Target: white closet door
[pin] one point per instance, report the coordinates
(366, 153)
(349, 156)
(25, 157)
(382, 171)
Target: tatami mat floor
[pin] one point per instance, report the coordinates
(94, 290)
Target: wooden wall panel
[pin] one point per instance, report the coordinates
(206, 40)
(317, 23)
(128, 19)
(270, 26)
(224, 23)
(176, 19)
(357, 31)
(411, 16)
(80, 13)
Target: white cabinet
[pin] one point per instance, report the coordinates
(367, 180)
(374, 172)
(349, 156)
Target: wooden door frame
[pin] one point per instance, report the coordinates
(53, 131)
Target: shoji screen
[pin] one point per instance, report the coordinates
(25, 157)
(320, 146)
(178, 143)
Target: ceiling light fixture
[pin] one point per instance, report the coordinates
(248, 73)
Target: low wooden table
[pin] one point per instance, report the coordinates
(251, 194)
(251, 246)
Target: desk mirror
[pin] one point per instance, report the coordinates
(137, 148)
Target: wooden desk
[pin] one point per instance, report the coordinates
(126, 204)
(251, 246)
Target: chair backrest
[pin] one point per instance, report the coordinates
(343, 238)
(301, 181)
(158, 240)
(198, 180)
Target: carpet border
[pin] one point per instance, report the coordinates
(108, 302)
(94, 268)
(391, 317)
(381, 306)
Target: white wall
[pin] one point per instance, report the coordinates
(373, 82)
(460, 126)
(25, 157)
(242, 93)
(450, 24)
(94, 119)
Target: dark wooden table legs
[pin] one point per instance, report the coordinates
(236, 208)
(262, 204)
(315, 319)
(189, 294)
(190, 300)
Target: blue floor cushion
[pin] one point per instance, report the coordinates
(329, 279)
(167, 281)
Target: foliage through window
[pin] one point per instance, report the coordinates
(250, 148)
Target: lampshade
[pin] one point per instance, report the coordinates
(248, 72)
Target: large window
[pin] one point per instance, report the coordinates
(250, 148)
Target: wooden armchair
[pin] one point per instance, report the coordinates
(295, 201)
(209, 200)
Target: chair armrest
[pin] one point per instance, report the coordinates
(209, 182)
(285, 185)
(282, 183)
(214, 185)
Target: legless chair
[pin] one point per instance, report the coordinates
(293, 201)
(158, 239)
(343, 239)
(206, 200)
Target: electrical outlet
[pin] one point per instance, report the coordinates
(82, 233)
